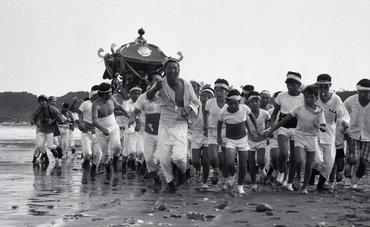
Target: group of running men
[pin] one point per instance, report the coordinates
(55, 129)
(176, 124)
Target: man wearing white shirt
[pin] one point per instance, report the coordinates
(358, 106)
(178, 103)
(284, 103)
(90, 147)
(334, 111)
(151, 112)
(131, 135)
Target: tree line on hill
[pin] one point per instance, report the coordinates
(18, 106)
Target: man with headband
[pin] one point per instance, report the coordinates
(257, 145)
(132, 147)
(108, 134)
(178, 102)
(57, 152)
(64, 128)
(358, 106)
(246, 90)
(235, 115)
(152, 115)
(211, 115)
(46, 117)
(266, 100)
(334, 111)
(90, 147)
(196, 86)
(285, 102)
(199, 145)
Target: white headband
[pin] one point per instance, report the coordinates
(234, 97)
(107, 91)
(208, 90)
(135, 89)
(362, 88)
(323, 82)
(253, 97)
(222, 85)
(294, 77)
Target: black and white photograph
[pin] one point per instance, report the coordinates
(184, 113)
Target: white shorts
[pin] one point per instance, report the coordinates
(287, 132)
(240, 144)
(309, 143)
(212, 136)
(254, 146)
(198, 140)
(111, 144)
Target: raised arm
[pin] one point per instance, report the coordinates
(150, 94)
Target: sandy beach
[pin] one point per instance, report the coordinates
(65, 195)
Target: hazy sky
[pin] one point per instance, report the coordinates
(49, 47)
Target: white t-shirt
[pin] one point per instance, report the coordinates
(234, 118)
(306, 119)
(86, 109)
(288, 102)
(334, 110)
(214, 112)
(129, 107)
(196, 124)
(359, 127)
(260, 121)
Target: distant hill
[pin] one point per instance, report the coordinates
(18, 106)
(345, 94)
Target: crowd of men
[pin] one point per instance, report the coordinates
(219, 131)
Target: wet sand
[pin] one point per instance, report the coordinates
(65, 195)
